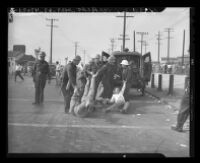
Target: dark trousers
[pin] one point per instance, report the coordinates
(67, 94)
(184, 111)
(126, 91)
(39, 90)
(18, 73)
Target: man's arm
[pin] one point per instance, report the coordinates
(123, 88)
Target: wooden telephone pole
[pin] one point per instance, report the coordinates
(51, 41)
(124, 28)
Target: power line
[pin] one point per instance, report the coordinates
(124, 28)
(142, 34)
(76, 46)
(158, 38)
(145, 45)
(168, 30)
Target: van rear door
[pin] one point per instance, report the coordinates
(147, 68)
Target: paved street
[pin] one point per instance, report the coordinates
(47, 129)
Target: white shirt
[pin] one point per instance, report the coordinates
(18, 68)
(117, 98)
(58, 67)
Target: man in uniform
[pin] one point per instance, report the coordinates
(40, 73)
(69, 81)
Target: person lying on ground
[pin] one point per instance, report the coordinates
(117, 100)
(82, 106)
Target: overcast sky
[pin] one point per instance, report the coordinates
(93, 31)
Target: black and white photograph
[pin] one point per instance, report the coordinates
(99, 82)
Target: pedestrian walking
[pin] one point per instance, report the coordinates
(69, 81)
(40, 74)
(184, 111)
(18, 70)
(58, 73)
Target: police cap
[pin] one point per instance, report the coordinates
(105, 54)
(77, 58)
(42, 54)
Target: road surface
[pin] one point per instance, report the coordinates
(47, 129)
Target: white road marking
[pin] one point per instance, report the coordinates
(57, 100)
(31, 100)
(86, 126)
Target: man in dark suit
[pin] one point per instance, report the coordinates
(69, 81)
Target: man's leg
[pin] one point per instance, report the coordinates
(43, 83)
(126, 92)
(37, 84)
(16, 74)
(68, 99)
(21, 75)
(113, 107)
(183, 114)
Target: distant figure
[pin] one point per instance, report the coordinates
(18, 70)
(58, 72)
(66, 60)
(40, 74)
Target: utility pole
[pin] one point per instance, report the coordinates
(51, 41)
(145, 45)
(112, 40)
(134, 40)
(168, 30)
(158, 38)
(183, 47)
(76, 45)
(142, 34)
(122, 39)
(84, 56)
(124, 29)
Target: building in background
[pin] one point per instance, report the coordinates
(18, 56)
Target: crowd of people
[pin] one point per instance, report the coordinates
(100, 82)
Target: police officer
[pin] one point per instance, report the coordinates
(69, 81)
(40, 73)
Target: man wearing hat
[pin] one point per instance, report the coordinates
(106, 76)
(127, 75)
(105, 57)
(69, 81)
(40, 73)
